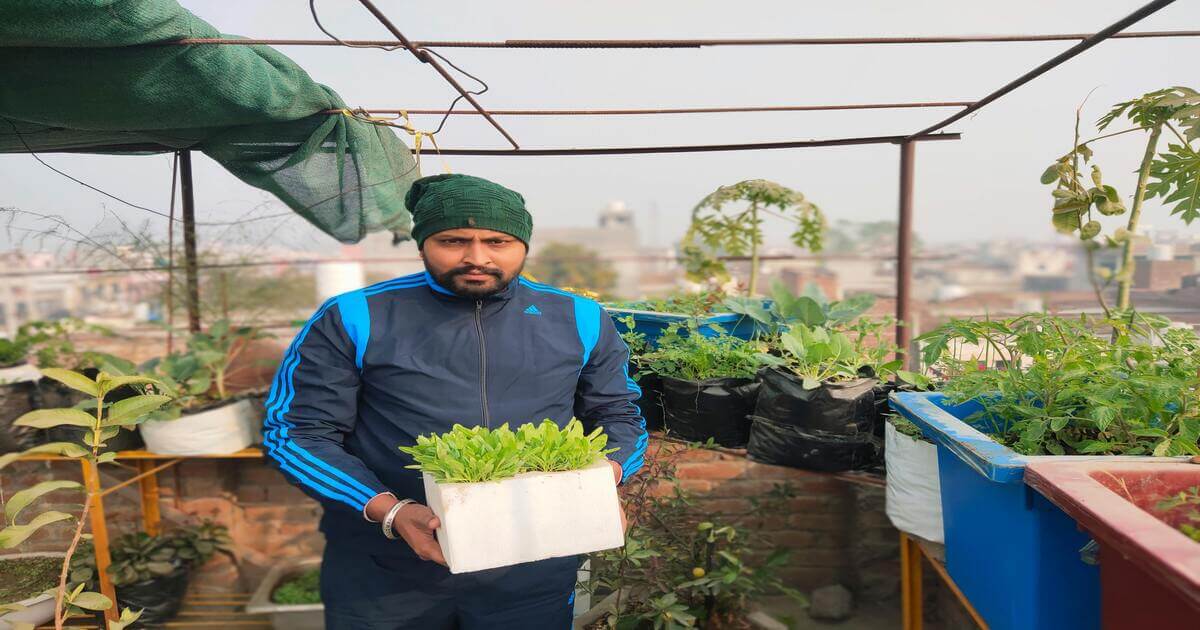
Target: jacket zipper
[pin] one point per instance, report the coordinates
(487, 422)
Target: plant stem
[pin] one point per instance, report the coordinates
(755, 236)
(1125, 277)
(59, 617)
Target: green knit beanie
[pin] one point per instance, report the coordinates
(446, 202)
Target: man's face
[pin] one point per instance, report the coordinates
(473, 263)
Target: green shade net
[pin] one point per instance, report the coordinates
(86, 76)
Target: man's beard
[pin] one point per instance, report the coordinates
(451, 281)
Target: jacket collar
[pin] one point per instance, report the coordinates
(505, 294)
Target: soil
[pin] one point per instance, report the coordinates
(23, 578)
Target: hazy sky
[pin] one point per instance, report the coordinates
(984, 186)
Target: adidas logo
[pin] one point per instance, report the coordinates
(532, 310)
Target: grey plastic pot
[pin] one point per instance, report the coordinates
(287, 616)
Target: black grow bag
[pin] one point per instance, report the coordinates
(788, 445)
(717, 408)
(844, 408)
(650, 403)
(16, 399)
(159, 599)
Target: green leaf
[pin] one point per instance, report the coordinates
(46, 418)
(91, 601)
(69, 449)
(74, 380)
(1050, 175)
(105, 458)
(1057, 424)
(127, 617)
(811, 383)
(20, 500)
(131, 410)
(1066, 222)
(113, 382)
(14, 535)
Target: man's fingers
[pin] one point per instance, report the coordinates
(435, 554)
(433, 524)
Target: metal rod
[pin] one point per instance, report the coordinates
(675, 43)
(189, 242)
(1057, 60)
(640, 112)
(140, 476)
(706, 148)
(424, 57)
(904, 255)
(171, 257)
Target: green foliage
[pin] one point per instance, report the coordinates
(103, 422)
(717, 229)
(471, 455)
(22, 578)
(12, 352)
(691, 304)
(52, 344)
(682, 569)
(566, 265)
(140, 557)
(819, 355)
(904, 426)
(196, 377)
(1074, 386)
(1173, 175)
(1189, 498)
(810, 309)
(304, 588)
(683, 352)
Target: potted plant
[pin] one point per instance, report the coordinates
(17, 382)
(559, 476)
(205, 419)
(151, 573)
(707, 310)
(291, 594)
(816, 403)
(27, 583)
(914, 493)
(103, 421)
(707, 383)
(1023, 389)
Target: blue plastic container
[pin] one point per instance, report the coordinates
(652, 324)
(1014, 554)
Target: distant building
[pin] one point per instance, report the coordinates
(615, 239)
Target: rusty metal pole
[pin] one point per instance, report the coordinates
(904, 254)
(189, 241)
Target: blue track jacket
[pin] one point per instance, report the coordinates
(376, 367)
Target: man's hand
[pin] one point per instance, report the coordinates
(617, 472)
(416, 523)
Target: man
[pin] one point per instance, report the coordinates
(467, 342)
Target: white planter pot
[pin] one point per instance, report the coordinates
(914, 492)
(219, 431)
(24, 373)
(38, 609)
(532, 516)
(287, 616)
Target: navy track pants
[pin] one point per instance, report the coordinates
(365, 592)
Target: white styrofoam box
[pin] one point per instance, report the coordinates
(23, 373)
(221, 431)
(533, 516)
(914, 490)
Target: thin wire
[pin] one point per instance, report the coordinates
(312, 7)
(30, 151)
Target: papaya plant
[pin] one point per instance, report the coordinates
(103, 422)
(1173, 175)
(716, 228)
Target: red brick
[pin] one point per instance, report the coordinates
(700, 486)
(724, 506)
(817, 521)
(713, 471)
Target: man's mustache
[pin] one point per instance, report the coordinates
(461, 271)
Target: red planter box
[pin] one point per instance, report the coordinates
(1149, 571)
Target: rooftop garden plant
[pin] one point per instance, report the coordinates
(304, 588)
(819, 355)
(197, 377)
(102, 421)
(477, 454)
(1173, 175)
(811, 308)
(12, 352)
(729, 220)
(683, 352)
(1062, 386)
(694, 304)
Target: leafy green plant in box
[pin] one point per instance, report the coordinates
(684, 353)
(1058, 386)
(304, 588)
(470, 455)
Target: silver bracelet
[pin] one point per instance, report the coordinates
(386, 523)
